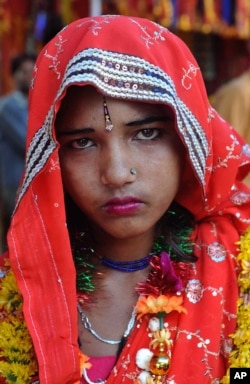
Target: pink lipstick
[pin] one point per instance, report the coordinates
(123, 206)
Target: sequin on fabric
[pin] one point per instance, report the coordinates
(216, 251)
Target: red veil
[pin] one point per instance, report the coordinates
(134, 59)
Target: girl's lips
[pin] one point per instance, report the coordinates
(123, 206)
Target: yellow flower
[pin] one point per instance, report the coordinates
(17, 372)
(18, 364)
(244, 276)
(239, 357)
(225, 379)
(162, 303)
(10, 298)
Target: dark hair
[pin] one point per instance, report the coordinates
(18, 60)
(174, 231)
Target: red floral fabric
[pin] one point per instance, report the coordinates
(133, 59)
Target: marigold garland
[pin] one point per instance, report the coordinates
(239, 357)
(18, 362)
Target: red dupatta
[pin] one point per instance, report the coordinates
(134, 59)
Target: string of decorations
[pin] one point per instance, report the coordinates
(26, 368)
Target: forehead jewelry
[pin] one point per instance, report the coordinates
(133, 171)
(108, 122)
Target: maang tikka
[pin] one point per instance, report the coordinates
(108, 122)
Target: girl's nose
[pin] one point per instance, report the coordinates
(117, 167)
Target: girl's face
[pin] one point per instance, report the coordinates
(96, 163)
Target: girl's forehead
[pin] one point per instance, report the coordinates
(86, 108)
(89, 98)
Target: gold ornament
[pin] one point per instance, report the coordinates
(159, 365)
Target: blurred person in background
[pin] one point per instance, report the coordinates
(13, 127)
(232, 101)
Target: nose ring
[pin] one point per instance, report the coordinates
(133, 171)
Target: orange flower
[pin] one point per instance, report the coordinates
(84, 361)
(162, 303)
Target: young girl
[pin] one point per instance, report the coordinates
(124, 238)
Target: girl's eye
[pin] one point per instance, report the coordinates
(147, 134)
(82, 143)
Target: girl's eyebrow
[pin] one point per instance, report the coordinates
(147, 120)
(74, 131)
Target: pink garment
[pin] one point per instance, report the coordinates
(101, 368)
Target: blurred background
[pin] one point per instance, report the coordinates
(216, 31)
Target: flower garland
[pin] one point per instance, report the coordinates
(160, 295)
(17, 364)
(17, 355)
(239, 357)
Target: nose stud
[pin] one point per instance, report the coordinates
(133, 171)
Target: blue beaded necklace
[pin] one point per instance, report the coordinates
(83, 256)
(127, 266)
